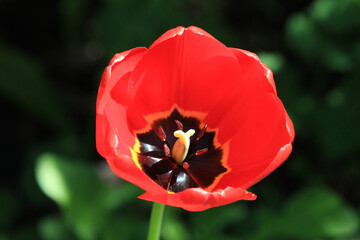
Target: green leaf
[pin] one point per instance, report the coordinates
(84, 198)
(173, 227)
(337, 121)
(304, 38)
(275, 61)
(336, 17)
(125, 227)
(317, 213)
(227, 218)
(51, 179)
(53, 228)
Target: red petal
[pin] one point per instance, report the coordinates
(262, 141)
(168, 34)
(197, 199)
(183, 68)
(178, 31)
(256, 123)
(113, 137)
(290, 127)
(100, 135)
(247, 58)
(115, 75)
(120, 65)
(200, 31)
(252, 82)
(117, 142)
(280, 157)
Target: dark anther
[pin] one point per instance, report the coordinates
(179, 125)
(167, 150)
(202, 132)
(161, 133)
(201, 151)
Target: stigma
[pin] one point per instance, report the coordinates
(181, 147)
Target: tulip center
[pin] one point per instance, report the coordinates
(179, 152)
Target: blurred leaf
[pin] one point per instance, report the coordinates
(53, 228)
(336, 17)
(76, 187)
(3, 237)
(318, 213)
(338, 59)
(24, 83)
(51, 179)
(227, 220)
(173, 227)
(121, 196)
(337, 122)
(311, 213)
(303, 37)
(324, 36)
(351, 238)
(125, 227)
(275, 61)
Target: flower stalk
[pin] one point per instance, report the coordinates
(155, 221)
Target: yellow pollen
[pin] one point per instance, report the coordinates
(181, 146)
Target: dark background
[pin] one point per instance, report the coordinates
(54, 185)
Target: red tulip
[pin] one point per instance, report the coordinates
(190, 121)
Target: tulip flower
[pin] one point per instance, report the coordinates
(190, 121)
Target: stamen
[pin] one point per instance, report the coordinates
(186, 167)
(161, 133)
(201, 151)
(167, 150)
(179, 125)
(202, 132)
(181, 146)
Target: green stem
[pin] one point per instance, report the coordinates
(155, 221)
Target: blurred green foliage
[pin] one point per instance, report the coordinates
(55, 186)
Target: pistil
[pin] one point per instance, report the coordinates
(181, 146)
